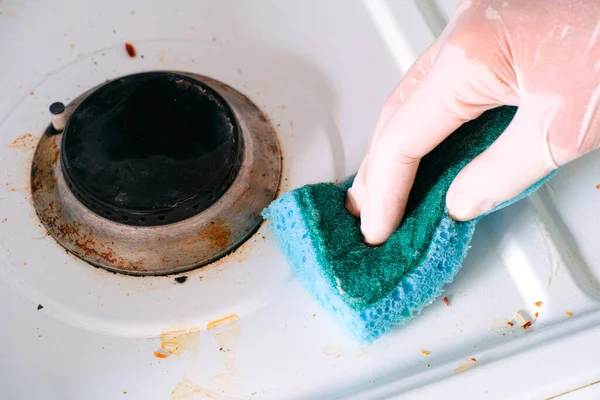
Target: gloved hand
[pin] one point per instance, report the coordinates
(541, 55)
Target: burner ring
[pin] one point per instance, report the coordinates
(174, 246)
(147, 131)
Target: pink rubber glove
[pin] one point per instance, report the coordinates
(542, 55)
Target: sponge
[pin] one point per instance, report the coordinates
(372, 289)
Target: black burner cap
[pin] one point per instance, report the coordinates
(151, 149)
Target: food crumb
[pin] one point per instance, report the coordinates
(314, 315)
(537, 315)
(509, 323)
(31, 93)
(527, 325)
(124, 392)
(335, 182)
(72, 46)
(569, 313)
(597, 186)
(425, 352)
(181, 279)
(130, 50)
(39, 307)
(467, 364)
(160, 355)
(446, 302)
(538, 303)
(521, 319)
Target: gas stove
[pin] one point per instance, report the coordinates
(139, 142)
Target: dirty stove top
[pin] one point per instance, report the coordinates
(242, 327)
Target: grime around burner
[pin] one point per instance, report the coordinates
(156, 173)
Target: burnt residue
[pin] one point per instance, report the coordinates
(186, 84)
(82, 240)
(273, 148)
(39, 307)
(24, 142)
(181, 279)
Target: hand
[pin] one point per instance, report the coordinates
(541, 55)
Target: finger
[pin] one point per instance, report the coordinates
(354, 196)
(516, 160)
(429, 115)
(409, 82)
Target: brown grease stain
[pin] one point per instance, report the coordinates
(24, 142)
(225, 321)
(333, 351)
(175, 341)
(217, 233)
(82, 237)
(188, 390)
(227, 335)
(226, 385)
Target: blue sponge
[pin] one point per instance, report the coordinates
(373, 289)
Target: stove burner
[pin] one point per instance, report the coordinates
(151, 149)
(155, 173)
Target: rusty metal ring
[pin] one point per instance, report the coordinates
(167, 249)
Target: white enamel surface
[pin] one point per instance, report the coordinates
(320, 70)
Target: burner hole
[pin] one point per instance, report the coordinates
(143, 220)
(125, 218)
(196, 206)
(161, 218)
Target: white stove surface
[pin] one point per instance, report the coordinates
(320, 70)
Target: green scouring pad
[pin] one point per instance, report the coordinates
(372, 289)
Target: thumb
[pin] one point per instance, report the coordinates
(515, 161)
